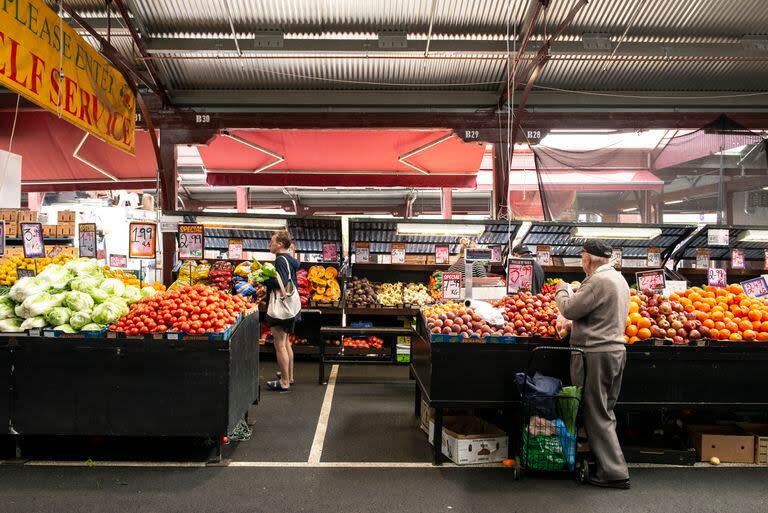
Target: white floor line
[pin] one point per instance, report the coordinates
(322, 422)
(163, 464)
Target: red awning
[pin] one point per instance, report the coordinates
(371, 158)
(51, 160)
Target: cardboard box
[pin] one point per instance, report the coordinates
(12, 230)
(49, 230)
(66, 229)
(728, 442)
(760, 432)
(416, 259)
(66, 216)
(470, 440)
(27, 216)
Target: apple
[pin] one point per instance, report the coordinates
(682, 333)
(676, 325)
(664, 324)
(671, 332)
(688, 325)
(694, 335)
(665, 308)
(704, 331)
(678, 340)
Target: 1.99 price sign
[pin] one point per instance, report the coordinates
(191, 241)
(142, 240)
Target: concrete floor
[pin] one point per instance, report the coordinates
(374, 458)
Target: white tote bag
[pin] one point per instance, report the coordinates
(284, 303)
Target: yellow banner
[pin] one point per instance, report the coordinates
(89, 92)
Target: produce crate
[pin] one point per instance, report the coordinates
(52, 333)
(214, 337)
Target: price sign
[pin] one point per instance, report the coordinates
(616, 257)
(651, 280)
(32, 240)
(496, 254)
(477, 255)
(235, 249)
(362, 252)
(86, 239)
(142, 240)
(519, 274)
(765, 259)
(653, 257)
(118, 261)
(191, 241)
(55, 251)
(716, 277)
(757, 287)
(675, 287)
(398, 253)
(544, 255)
(702, 258)
(717, 238)
(451, 285)
(25, 273)
(441, 254)
(737, 259)
(329, 251)
(2, 237)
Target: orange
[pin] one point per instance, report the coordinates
(631, 330)
(634, 308)
(710, 288)
(644, 323)
(674, 297)
(644, 334)
(749, 335)
(762, 336)
(685, 301)
(745, 326)
(755, 315)
(626, 339)
(709, 323)
(689, 308)
(710, 301)
(720, 325)
(695, 297)
(722, 292)
(714, 334)
(717, 315)
(634, 318)
(724, 334)
(735, 289)
(745, 302)
(632, 340)
(635, 299)
(735, 336)
(732, 326)
(701, 316)
(764, 327)
(705, 307)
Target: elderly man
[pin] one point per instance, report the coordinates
(599, 310)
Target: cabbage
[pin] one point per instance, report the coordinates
(113, 287)
(26, 287)
(107, 312)
(80, 319)
(55, 276)
(19, 311)
(85, 283)
(59, 298)
(58, 315)
(33, 322)
(35, 306)
(66, 328)
(11, 325)
(92, 327)
(6, 307)
(85, 267)
(77, 301)
(132, 294)
(99, 295)
(148, 292)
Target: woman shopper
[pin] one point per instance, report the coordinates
(286, 266)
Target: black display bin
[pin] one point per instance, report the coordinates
(134, 387)
(5, 385)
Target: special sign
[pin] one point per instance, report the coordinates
(35, 43)
(191, 241)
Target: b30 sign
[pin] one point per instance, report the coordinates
(757, 287)
(142, 240)
(653, 280)
(519, 274)
(86, 239)
(32, 240)
(191, 241)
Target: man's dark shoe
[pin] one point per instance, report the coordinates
(621, 484)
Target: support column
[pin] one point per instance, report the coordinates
(242, 199)
(35, 201)
(500, 195)
(446, 202)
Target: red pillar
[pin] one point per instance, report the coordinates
(35, 200)
(242, 199)
(446, 202)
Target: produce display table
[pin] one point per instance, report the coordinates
(133, 387)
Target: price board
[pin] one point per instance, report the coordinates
(675, 287)
(519, 274)
(544, 255)
(86, 239)
(441, 254)
(118, 261)
(191, 238)
(757, 287)
(702, 258)
(142, 240)
(362, 252)
(398, 253)
(329, 252)
(451, 285)
(717, 237)
(616, 256)
(653, 258)
(235, 249)
(737, 258)
(716, 277)
(651, 280)
(495, 254)
(32, 240)
(2, 237)
(25, 273)
(477, 255)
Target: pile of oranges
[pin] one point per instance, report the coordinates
(727, 312)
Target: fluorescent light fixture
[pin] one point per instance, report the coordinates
(614, 232)
(474, 230)
(629, 209)
(754, 236)
(673, 202)
(251, 224)
(765, 188)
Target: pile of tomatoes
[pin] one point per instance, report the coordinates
(194, 309)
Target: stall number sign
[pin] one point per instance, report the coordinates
(398, 253)
(737, 259)
(191, 241)
(544, 255)
(477, 255)
(702, 258)
(519, 274)
(329, 251)
(716, 277)
(86, 239)
(32, 240)
(616, 256)
(441, 254)
(362, 252)
(653, 258)
(117, 261)
(142, 240)
(653, 280)
(235, 249)
(757, 287)
(717, 237)
(451, 285)
(2, 237)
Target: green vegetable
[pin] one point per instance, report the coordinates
(112, 286)
(148, 292)
(85, 267)
(33, 322)
(58, 315)
(6, 307)
(11, 325)
(92, 327)
(107, 312)
(264, 273)
(132, 294)
(99, 295)
(37, 305)
(25, 288)
(77, 301)
(80, 319)
(85, 283)
(55, 276)
(66, 328)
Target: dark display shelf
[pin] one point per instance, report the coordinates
(752, 250)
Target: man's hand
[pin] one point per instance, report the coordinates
(564, 285)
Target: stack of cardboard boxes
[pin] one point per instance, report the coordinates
(63, 227)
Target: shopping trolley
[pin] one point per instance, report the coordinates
(551, 418)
